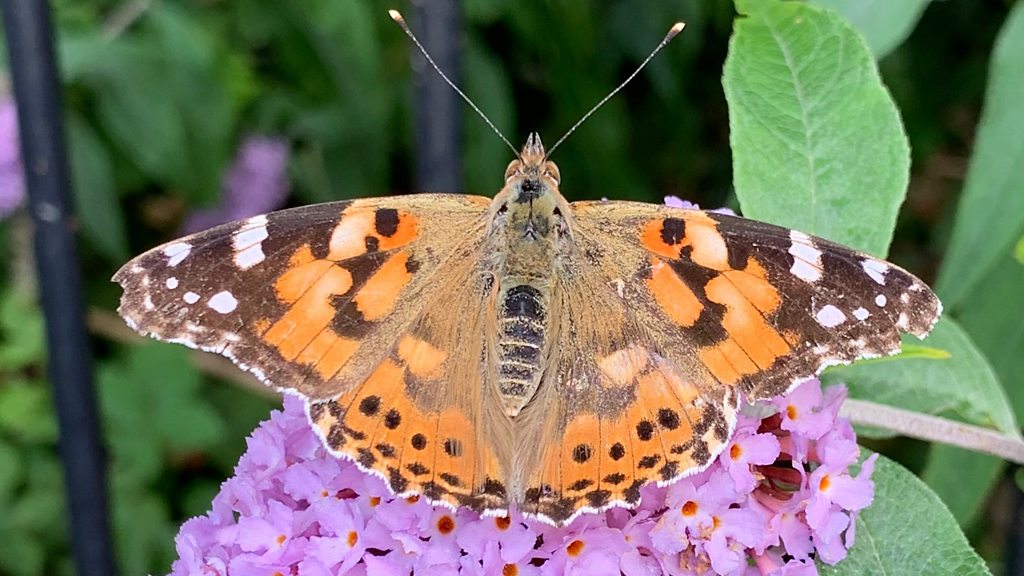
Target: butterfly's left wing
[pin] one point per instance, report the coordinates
(666, 315)
(762, 307)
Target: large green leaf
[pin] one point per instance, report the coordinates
(950, 377)
(95, 194)
(906, 530)
(883, 23)
(816, 139)
(990, 217)
(994, 317)
(962, 478)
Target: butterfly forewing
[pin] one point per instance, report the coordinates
(300, 297)
(757, 306)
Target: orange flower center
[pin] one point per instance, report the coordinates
(281, 538)
(413, 499)
(824, 483)
(374, 500)
(502, 522)
(445, 524)
(689, 509)
(575, 548)
(353, 537)
(735, 452)
(791, 412)
(510, 570)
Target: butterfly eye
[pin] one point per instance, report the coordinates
(503, 208)
(557, 212)
(551, 170)
(513, 169)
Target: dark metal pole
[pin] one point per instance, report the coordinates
(438, 109)
(37, 91)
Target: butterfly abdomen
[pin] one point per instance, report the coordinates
(521, 320)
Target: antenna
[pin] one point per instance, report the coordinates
(672, 32)
(397, 17)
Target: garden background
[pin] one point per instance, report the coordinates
(183, 114)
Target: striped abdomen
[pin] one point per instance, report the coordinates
(521, 319)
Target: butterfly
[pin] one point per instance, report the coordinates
(523, 351)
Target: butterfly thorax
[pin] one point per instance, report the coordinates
(528, 231)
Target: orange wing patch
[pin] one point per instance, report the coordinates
(376, 299)
(673, 296)
(434, 452)
(310, 286)
(749, 342)
(667, 428)
(364, 227)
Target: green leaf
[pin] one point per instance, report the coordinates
(152, 406)
(11, 472)
(883, 23)
(26, 412)
(95, 193)
(962, 478)
(992, 316)
(906, 530)
(963, 386)
(816, 139)
(201, 91)
(142, 529)
(990, 216)
(22, 332)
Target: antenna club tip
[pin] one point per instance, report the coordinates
(676, 29)
(396, 16)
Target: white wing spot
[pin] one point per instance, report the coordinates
(876, 270)
(190, 297)
(806, 258)
(861, 314)
(177, 252)
(223, 302)
(830, 316)
(248, 242)
(902, 322)
(148, 302)
(905, 298)
(171, 283)
(881, 300)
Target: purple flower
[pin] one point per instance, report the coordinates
(12, 179)
(293, 508)
(677, 202)
(256, 183)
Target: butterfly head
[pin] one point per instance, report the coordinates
(530, 204)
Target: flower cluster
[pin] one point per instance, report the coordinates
(12, 179)
(778, 497)
(255, 183)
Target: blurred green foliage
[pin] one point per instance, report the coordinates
(158, 99)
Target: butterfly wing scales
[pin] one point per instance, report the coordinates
(350, 304)
(304, 298)
(766, 307)
(619, 413)
(421, 421)
(696, 307)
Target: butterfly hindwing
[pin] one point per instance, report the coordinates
(420, 420)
